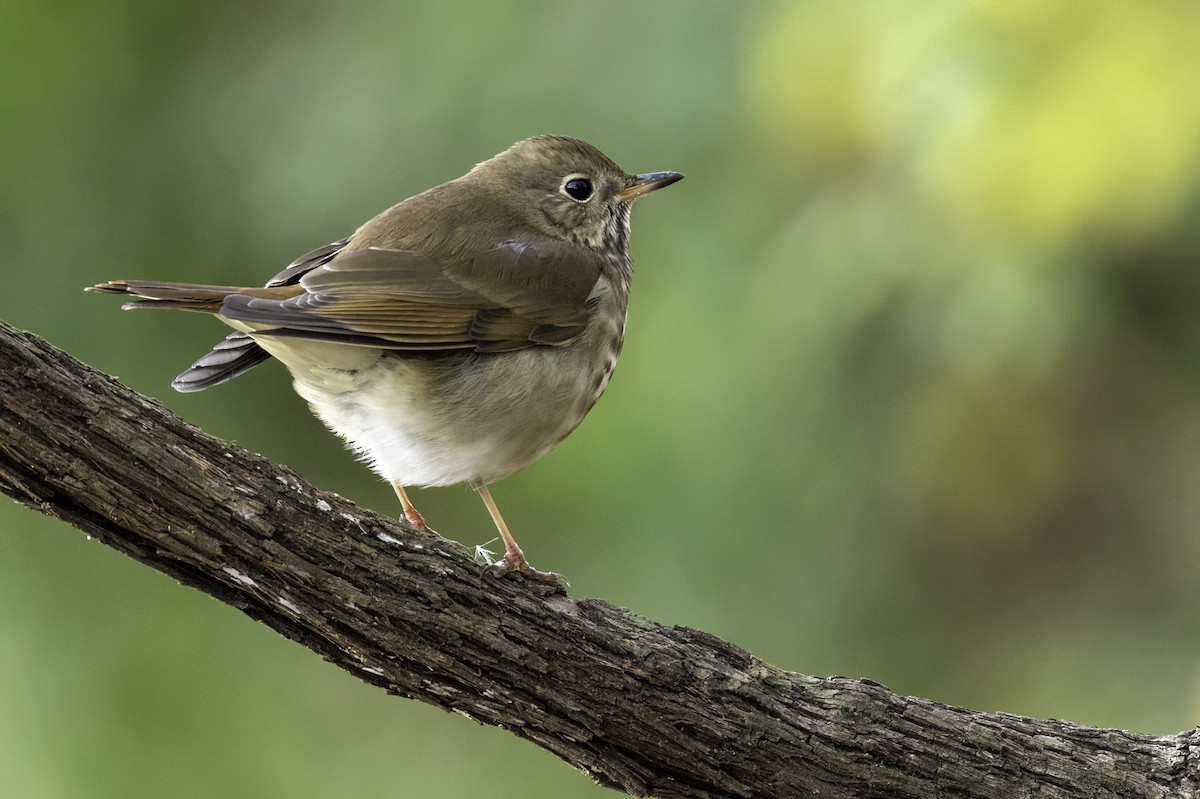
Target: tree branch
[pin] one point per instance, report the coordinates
(651, 710)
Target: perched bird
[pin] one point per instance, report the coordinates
(459, 335)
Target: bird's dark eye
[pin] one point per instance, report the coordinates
(578, 189)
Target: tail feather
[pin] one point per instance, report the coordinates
(232, 356)
(179, 296)
(235, 354)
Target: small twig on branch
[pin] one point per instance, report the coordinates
(648, 709)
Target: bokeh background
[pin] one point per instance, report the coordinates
(910, 390)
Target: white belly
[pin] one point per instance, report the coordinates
(451, 418)
(413, 431)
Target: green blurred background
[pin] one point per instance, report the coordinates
(910, 389)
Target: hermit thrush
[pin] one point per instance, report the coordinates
(459, 335)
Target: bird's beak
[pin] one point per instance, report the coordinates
(646, 183)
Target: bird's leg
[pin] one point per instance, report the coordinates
(514, 558)
(410, 513)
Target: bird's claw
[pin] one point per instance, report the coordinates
(509, 564)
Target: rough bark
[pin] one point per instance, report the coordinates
(648, 709)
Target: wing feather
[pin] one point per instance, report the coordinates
(505, 297)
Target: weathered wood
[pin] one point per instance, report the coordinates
(644, 708)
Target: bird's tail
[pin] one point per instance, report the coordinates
(180, 296)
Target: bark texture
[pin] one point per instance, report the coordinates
(648, 709)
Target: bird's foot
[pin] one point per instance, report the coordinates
(415, 520)
(515, 562)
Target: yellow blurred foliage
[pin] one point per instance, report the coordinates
(1038, 121)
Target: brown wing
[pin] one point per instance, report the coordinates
(298, 268)
(237, 352)
(504, 298)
